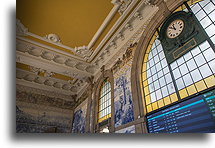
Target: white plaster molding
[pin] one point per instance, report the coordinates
(115, 26)
(105, 23)
(135, 37)
(21, 30)
(124, 5)
(43, 87)
(41, 56)
(46, 47)
(138, 15)
(142, 8)
(121, 36)
(82, 90)
(53, 38)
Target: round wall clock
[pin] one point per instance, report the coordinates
(175, 28)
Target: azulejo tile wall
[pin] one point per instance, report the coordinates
(79, 120)
(46, 123)
(127, 130)
(123, 103)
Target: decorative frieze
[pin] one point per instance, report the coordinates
(36, 96)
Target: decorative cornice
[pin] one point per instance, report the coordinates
(20, 28)
(28, 50)
(125, 58)
(53, 38)
(124, 4)
(44, 92)
(131, 30)
(63, 86)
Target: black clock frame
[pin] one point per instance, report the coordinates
(192, 35)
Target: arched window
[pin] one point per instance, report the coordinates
(104, 110)
(193, 72)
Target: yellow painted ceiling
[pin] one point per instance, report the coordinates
(74, 21)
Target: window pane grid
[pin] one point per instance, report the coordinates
(206, 16)
(196, 70)
(193, 72)
(105, 101)
(158, 83)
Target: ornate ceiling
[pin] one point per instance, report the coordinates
(60, 44)
(75, 22)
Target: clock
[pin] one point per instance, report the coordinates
(175, 28)
(180, 33)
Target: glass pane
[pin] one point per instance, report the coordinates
(165, 70)
(148, 72)
(208, 8)
(162, 81)
(200, 15)
(195, 51)
(196, 75)
(205, 22)
(180, 84)
(164, 91)
(205, 70)
(158, 66)
(168, 78)
(153, 97)
(204, 45)
(187, 56)
(163, 63)
(191, 65)
(156, 84)
(176, 73)
(158, 94)
(171, 88)
(209, 54)
(187, 80)
(210, 30)
(153, 70)
(212, 65)
(154, 77)
(151, 88)
(212, 16)
(196, 8)
(200, 60)
(180, 61)
(173, 65)
(156, 58)
(183, 69)
(160, 74)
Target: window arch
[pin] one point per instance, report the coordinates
(193, 72)
(104, 109)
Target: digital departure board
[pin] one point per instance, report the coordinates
(196, 115)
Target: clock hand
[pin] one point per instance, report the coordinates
(173, 27)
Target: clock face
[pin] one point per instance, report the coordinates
(175, 28)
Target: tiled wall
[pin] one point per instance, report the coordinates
(32, 120)
(127, 130)
(123, 103)
(79, 120)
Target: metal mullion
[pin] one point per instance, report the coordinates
(105, 94)
(198, 69)
(153, 75)
(207, 62)
(207, 15)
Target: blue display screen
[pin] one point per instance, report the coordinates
(196, 115)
